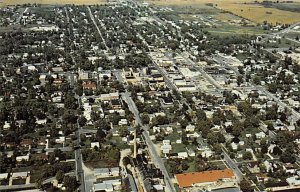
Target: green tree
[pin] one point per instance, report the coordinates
(70, 183)
(82, 121)
(59, 176)
(247, 156)
(246, 186)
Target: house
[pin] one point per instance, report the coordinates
(191, 152)
(83, 75)
(3, 176)
(182, 155)
(89, 85)
(19, 175)
(156, 129)
(109, 96)
(42, 142)
(123, 122)
(190, 128)
(293, 181)
(289, 168)
(214, 179)
(260, 135)
(95, 144)
(40, 157)
(6, 125)
(26, 142)
(115, 171)
(21, 158)
(167, 101)
(60, 140)
(166, 147)
(116, 104)
(42, 121)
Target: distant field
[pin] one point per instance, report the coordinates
(77, 2)
(255, 13)
(259, 14)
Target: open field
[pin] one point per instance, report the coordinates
(259, 14)
(77, 2)
(253, 12)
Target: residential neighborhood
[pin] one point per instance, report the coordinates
(129, 96)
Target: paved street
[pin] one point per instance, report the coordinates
(78, 157)
(237, 172)
(155, 157)
(93, 19)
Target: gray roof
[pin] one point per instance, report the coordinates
(100, 171)
(102, 186)
(227, 190)
(132, 183)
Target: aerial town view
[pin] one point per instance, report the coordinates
(150, 95)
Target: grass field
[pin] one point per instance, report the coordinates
(253, 12)
(77, 2)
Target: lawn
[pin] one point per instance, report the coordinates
(100, 164)
(228, 30)
(19, 181)
(36, 172)
(176, 148)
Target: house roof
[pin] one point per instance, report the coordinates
(26, 142)
(188, 179)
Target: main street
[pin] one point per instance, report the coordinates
(78, 156)
(155, 157)
(233, 165)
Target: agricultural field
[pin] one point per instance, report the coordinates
(248, 10)
(259, 14)
(77, 2)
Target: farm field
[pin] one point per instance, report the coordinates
(77, 2)
(252, 12)
(259, 14)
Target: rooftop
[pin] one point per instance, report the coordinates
(188, 179)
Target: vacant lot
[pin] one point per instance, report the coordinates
(253, 12)
(77, 2)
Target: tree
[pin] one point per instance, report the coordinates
(203, 127)
(126, 161)
(240, 80)
(100, 135)
(70, 183)
(237, 128)
(201, 115)
(82, 121)
(160, 120)
(246, 186)
(247, 156)
(212, 138)
(218, 117)
(251, 122)
(59, 176)
(145, 118)
(287, 157)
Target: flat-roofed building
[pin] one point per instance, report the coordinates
(215, 179)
